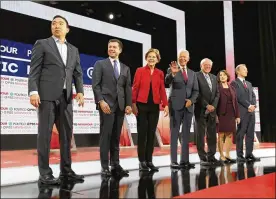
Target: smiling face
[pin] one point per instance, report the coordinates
(223, 77)
(183, 58)
(114, 50)
(59, 27)
(206, 65)
(151, 59)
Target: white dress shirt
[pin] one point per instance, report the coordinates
(244, 82)
(62, 48)
(184, 68)
(118, 64)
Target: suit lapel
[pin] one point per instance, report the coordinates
(121, 70)
(241, 84)
(110, 68)
(213, 80)
(69, 54)
(180, 74)
(190, 75)
(206, 83)
(53, 45)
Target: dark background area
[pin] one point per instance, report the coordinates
(254, 40)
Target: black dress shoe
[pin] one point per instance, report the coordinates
(224, 161)
(231, 161)
(175, 165)
(186, 165)
(143, 166)
(48, 180)
(118, 170)
(241, 159)
(71, 175)
(204, 162)
(105, 172)
(215, 162)
(152, 167)
(252, 158)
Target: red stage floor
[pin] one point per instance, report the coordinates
(29, 157)
(257, 187)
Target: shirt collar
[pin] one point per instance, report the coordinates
(205, 74)
(112, 60)
(57, 39)
(242, 79)
(183, 68)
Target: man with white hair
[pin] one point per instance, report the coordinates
(247, 104)
(183, 95)
(205, 113)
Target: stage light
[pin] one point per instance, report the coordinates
(111, 16)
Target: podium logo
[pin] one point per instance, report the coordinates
(90, 72)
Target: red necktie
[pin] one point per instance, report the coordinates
(185, 76)
(244, 84)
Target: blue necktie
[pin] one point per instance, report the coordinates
(116, 71)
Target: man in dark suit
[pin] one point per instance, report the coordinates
(247, 104)
(183, 95)
(54, 64)
(111, 83)
(205, 114)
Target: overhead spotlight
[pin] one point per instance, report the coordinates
(139, 24)
(111, 16)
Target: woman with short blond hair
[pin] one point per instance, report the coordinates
(148, 92)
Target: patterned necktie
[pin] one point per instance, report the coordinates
(244, 84)
(185, 76)
(208, 81)
(116, 71)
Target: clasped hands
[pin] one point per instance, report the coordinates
(251, 108)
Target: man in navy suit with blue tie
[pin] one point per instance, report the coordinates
(111, 83)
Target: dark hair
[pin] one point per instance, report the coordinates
(58, 16)
(226, 73)
(118, 41)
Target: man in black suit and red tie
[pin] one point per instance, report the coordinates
(54, 64)
(247, 105)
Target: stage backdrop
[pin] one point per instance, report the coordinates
(19, 117)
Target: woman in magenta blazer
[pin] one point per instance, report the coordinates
(148, 92)
(228, 115)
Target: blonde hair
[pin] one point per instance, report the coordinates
(154, 50)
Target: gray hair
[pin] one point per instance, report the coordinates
(183, 50)
(238, 67)
(205, 59)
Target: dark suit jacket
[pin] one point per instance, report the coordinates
(48, 72)
(205, 95)
(107, 88)
(222, 104)
(179, 90)
(245, 96)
